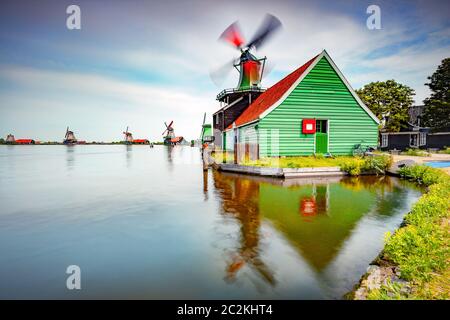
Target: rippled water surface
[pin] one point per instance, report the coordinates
(148, 223)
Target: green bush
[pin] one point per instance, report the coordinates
(420, 249)
(379, 164)
(356, 166)
(423, 174)
(352, 166)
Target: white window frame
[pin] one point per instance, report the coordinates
(384, 140)
(422, 139)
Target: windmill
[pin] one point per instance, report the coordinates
(169, 135)
(250, 68)
(10, 139)
(69, 138)
(128, 137)
(206, 134)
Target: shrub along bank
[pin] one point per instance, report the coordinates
(352, 165)
(420, 249)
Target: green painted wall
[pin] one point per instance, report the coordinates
(248, 134)
(323, 95)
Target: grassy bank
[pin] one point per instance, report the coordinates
(420, 249)
(352, 165)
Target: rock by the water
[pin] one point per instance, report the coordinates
(400, 164)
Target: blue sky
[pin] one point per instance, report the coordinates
(140, 63)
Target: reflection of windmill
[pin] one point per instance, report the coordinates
(238, 201)
(69, 138)
(128, 137)
(169, 135)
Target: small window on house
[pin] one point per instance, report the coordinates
(384, 140)
(321, 126)
(422, 139)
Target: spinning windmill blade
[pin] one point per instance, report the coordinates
(233, 35)
(219, 75)
(67, 133)
(265, 31)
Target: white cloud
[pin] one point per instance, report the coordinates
(104, 99)
(175, 45)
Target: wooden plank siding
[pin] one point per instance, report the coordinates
(248, 134)
(320, 95)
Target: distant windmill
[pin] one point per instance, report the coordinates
(169, 135)
(69, 138)
(206, 134)
(128, 137)
(10, 138)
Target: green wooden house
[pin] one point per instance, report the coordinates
(312, 110)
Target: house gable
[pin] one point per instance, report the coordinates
(311, 66)
(321, 93)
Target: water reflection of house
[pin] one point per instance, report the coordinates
(240, 199)
(319, 236)
(316, 204)
(316, 216)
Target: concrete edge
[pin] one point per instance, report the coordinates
(281, 172)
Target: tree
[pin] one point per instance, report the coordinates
(388, 99)
(437, 107)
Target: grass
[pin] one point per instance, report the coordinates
(421, 248)
(298, 162)
(416, 153)
(445, 151)
(354, 166)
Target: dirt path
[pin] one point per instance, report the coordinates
(421, 160)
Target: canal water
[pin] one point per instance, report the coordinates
(147, 223)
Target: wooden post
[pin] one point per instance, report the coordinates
(247, 152)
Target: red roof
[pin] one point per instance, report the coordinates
(140, 140)
(24, 141)
(176, 139)
(270, 96)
